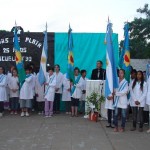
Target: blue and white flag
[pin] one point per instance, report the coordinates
(147, 71)
(111, 68)
(42, 72)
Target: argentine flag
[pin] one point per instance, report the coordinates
(42, 72)
(111, 68)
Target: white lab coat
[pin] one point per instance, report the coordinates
(33, 83)
(39, 90)
(148, 92)
(26, 91)
(13, 84)
(50, 93)
(3, 94)
(109, 104)
(83, 87)
(59, 81)
(66, 95)
(78, 90)
(138, 95)
(123, 100)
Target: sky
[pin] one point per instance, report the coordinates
(83, 15)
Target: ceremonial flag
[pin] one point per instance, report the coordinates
(147, 70)
(124, 61)
(111, 68)
(19, 62)
(42, 71)
(70, 69)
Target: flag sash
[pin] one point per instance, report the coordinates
(120, 89)
(50, 81)
(1, 78)
(76, 82)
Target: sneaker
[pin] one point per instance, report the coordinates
(133, 129)
(22, 114)
(15, 113)
(50, 116)
(121, 130)
(39, 113)
(12, 113)
(148, 131)
(46, 116)
(115, 129)
(27, 114)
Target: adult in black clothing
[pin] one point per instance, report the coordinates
(98, 73)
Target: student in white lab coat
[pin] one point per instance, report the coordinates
(39, 90)
(58, 89)
(83, 80)
(148, 100)
(138, 93)
(3, 95)
(66, 95)
(76, 92)
(14, 91)
(26, 93)
(33, 101)
(121, 101)
(50, 92)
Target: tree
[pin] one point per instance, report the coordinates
(140, 35)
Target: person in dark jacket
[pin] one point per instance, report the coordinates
(98, 73)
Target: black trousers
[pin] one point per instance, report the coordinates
(56, 106)
(40, 106)
(110, 114)
(68, 106)
(1, 107)
(137, 111)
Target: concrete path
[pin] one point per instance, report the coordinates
(62, 132)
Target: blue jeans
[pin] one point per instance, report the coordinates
(123, 117)
(14, 103)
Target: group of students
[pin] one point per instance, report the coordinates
(135, 94)
(44, 98)
(58, 87)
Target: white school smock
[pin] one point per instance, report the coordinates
(50, 93)
(148, 92)
(3, 94)
(33, 83)
(59, 81)
(13, 84)
(26, 89)
(109, 104)
(138, 95)
(39, 90)
(123, 100)
(66, 95)
(78, 91)
(83, 87)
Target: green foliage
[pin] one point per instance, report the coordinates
(140, 34)
(96, 100)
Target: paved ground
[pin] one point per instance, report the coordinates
(62, 132)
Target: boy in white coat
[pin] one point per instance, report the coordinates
(76, 93)
(83, 80)
(58, 88)
(138, 93)
(148, 100)
(39, 90)
(121, 101)
(50, 92)
(26, 94)
(66, 94)
(3, 95)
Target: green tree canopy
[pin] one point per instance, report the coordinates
(140, 34)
